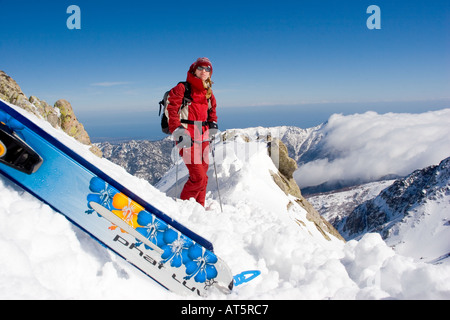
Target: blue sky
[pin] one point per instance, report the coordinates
(275, 62)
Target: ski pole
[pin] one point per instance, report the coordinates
(215, 172)
(176, 159)
(176, 177)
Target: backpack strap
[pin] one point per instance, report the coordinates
(187, 94)
(203, 123)
(162, 103)
(187, 99)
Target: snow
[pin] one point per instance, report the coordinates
(44, 256)
(424, 233)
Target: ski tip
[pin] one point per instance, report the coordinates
(245, 277)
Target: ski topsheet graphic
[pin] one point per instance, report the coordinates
(172, 255)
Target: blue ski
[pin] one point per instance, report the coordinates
(168, 252)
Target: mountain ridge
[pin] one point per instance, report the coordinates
(412, 215)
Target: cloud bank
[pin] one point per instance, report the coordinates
(369, 146)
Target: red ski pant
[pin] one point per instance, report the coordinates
(196, 159)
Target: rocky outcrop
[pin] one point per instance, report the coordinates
(59, 116)
(285, 180)
(11, 92)
(286, 166)
(69, 122)
(45, 110)
(320, 222)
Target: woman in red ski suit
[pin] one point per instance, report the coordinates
(191, 126)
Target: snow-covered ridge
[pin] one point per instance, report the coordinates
(413, 214)
(337, 204)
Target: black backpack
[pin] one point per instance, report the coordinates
(163, 106)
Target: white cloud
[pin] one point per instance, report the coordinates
(371, 145)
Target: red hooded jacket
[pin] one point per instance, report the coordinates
(197, 110)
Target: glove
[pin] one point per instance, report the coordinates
(213, 130)
(182, 138)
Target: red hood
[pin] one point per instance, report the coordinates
(196, 83)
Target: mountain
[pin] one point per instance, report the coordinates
(337, 204)
(145, 159)
(297, 140)
(150, 160)
(412, 215)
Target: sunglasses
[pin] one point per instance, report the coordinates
(207, 69)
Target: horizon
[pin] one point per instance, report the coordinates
(270, 60)
(147, 127)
